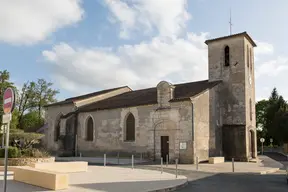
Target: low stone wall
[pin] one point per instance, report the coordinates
(26, 161)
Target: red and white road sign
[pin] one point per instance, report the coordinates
(8, 100)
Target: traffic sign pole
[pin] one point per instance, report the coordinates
(6, 156)
(8, 106)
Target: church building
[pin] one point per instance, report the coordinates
(208, 118)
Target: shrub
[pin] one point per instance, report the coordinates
(13, 152)
(24, 140)
(36, 153)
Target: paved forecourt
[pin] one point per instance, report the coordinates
(100, 178)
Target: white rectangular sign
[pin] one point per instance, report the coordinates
(6, 118)
(183, 145)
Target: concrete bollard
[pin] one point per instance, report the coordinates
(80, 155)
(104, 159)
(176, 172)
(197, 163)
(132, 162)
(167, 160)
(141, 157)
(161, 165)
(233, 168)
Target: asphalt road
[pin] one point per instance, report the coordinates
(202, 182)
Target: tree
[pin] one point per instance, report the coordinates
(26, 100)
(261, 108)
(4, 84)
(44, 95)
(32, 122)
(275, 119)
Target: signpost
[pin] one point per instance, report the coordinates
(8, 106)
(262, 140)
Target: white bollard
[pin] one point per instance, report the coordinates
(167, 160)
(197, 163)
(233, 168)
(176, 173)
(132, 161)
(161, 165)
(104, 160)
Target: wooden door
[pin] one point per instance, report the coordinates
(165, 148)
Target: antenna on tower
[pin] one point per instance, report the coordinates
(230, 22)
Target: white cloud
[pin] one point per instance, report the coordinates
(31, 21)
(168, 17)
(272, 67)
(264, 48)
(138, 66)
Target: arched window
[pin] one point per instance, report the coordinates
(248, 56)
(250, 105)
(89, 129)
(227, 56)
(130, 128)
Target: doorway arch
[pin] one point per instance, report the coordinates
(252, 144)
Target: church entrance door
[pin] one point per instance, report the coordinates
(165, 148)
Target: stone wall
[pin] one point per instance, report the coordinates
(51, 115)
(235, 91)
(109, 131)
(201, 126)
(26, 161)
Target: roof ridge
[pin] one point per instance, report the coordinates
(87, 94)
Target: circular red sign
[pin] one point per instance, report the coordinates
(8, 100)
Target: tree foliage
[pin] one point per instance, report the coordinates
(23, 140)
(31, 98)
(32, 121)
(4, 84)
(272, 118)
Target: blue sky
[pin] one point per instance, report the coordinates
(84, 46)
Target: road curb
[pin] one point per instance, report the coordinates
(269, 171)
(172, 188)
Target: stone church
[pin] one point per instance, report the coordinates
(208, 118)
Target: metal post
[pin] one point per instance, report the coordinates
(132, 162)
(262, 148)
(161, 165)
(118, 158)
(197, 163)
(3, 136)
(233, 168)
(6, 156)
(104, 159)
(167, 160)
(141, 157)
(176, 168)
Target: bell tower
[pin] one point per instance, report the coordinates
(231, 60)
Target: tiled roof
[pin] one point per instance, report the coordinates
(72, 99)
(149, 96)
(233, 35)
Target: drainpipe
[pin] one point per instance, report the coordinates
(154, 139)
(193, 134)
(76, 134)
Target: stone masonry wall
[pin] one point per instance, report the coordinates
(51, 115)
(109, 130)
(201, 126)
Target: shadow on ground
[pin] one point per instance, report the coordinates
(15, 186)
(139, 186)
(238, 183)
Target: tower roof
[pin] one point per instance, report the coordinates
(244, 34)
